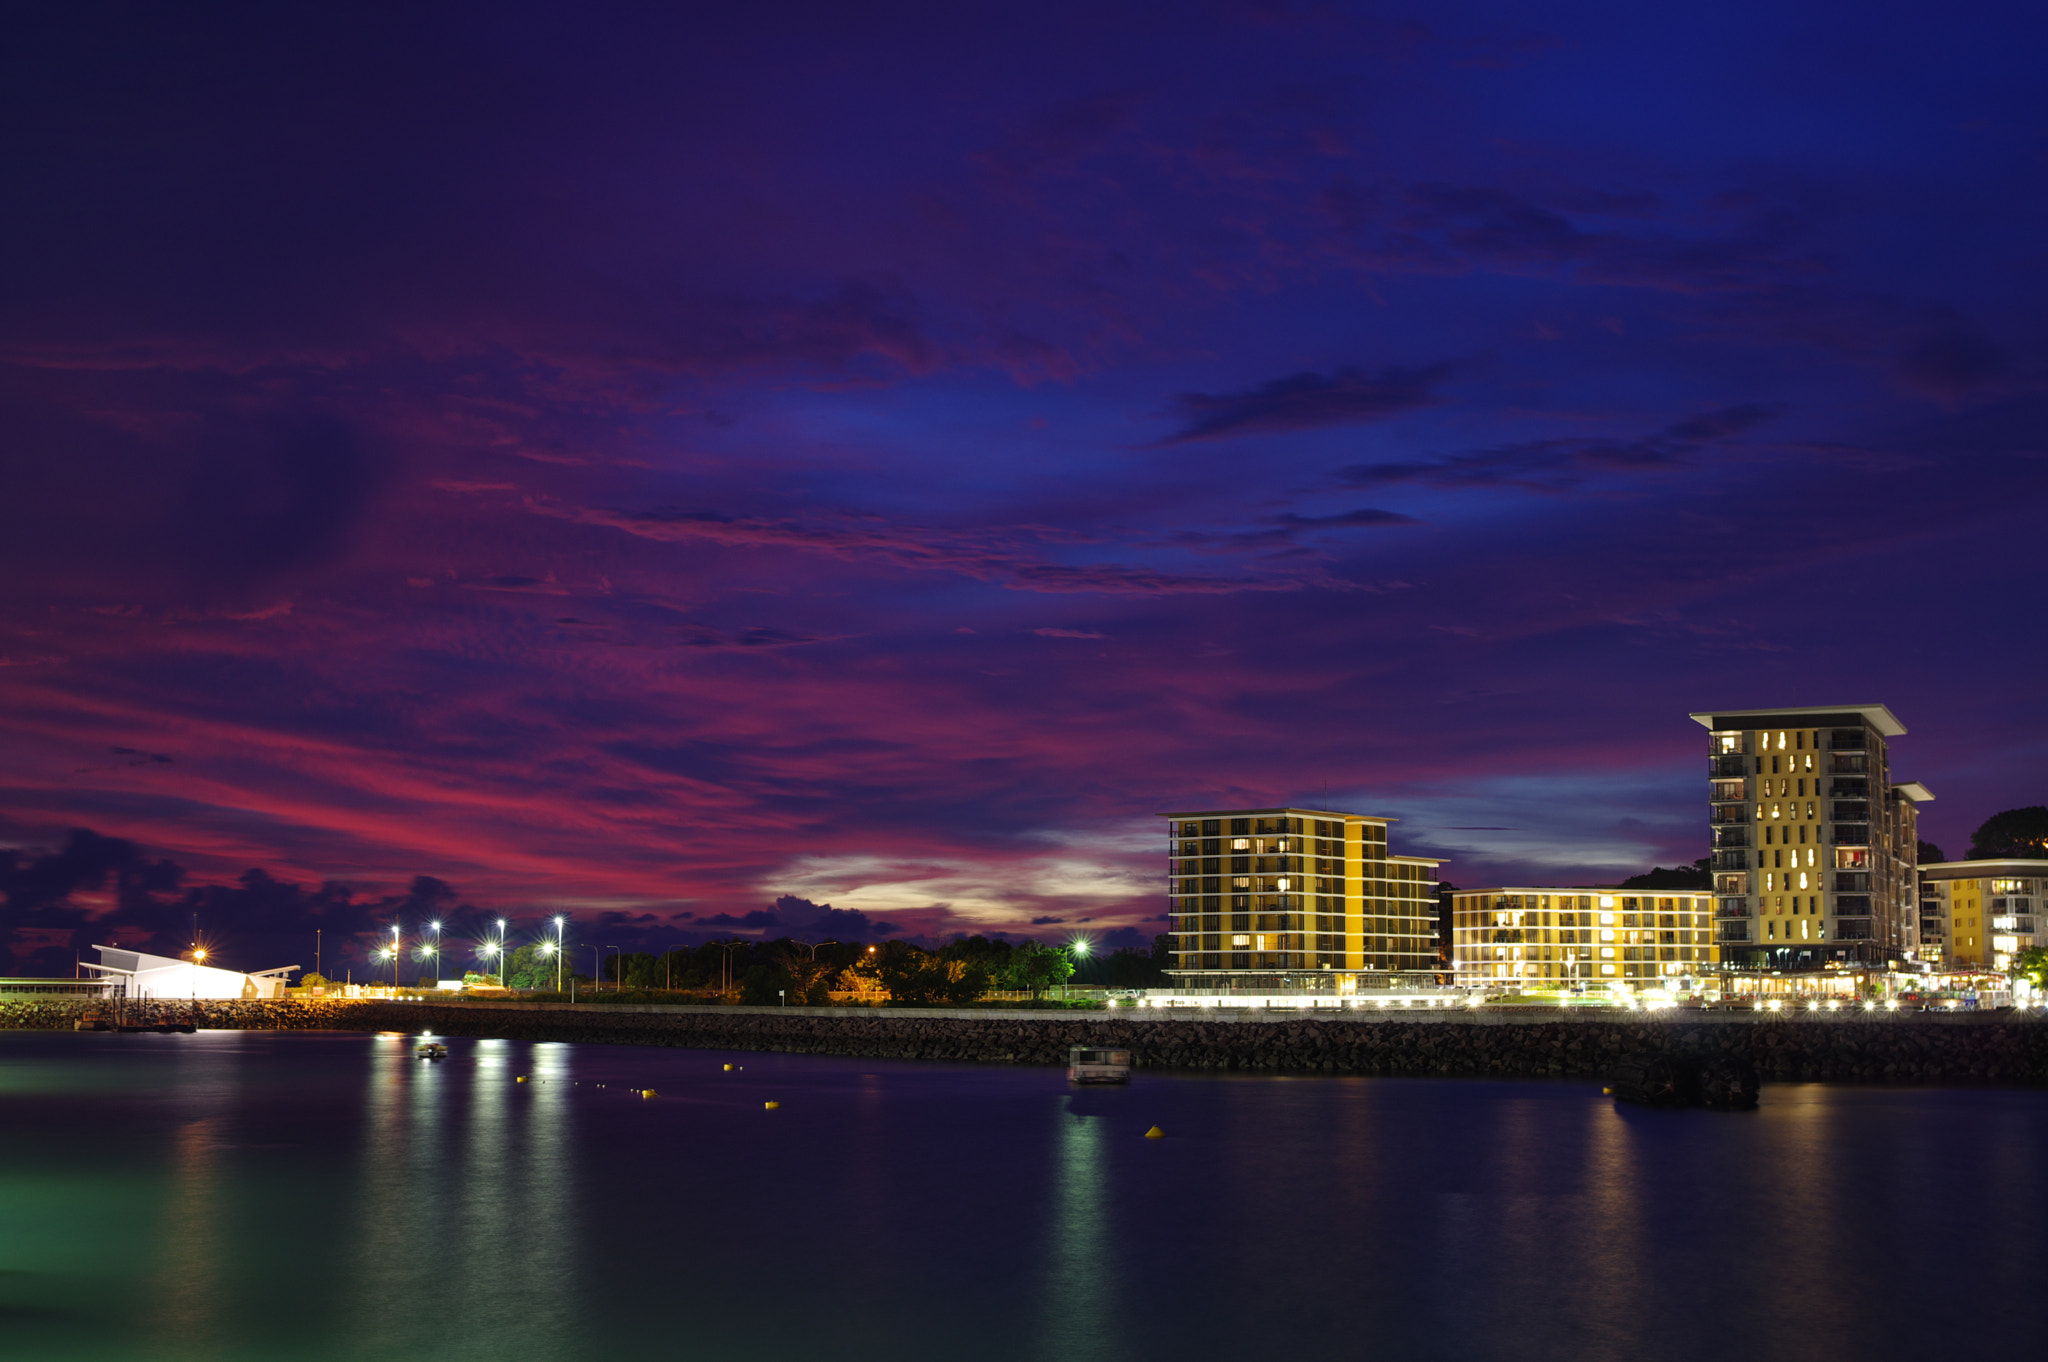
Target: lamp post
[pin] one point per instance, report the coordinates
(725, 977)
(548, 948)
(561, 947)
(619, 978)
(395, 941)
(503, 954)
(432, 954)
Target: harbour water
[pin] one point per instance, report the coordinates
(245, 1195)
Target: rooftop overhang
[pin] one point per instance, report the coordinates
(1259, 813)
(1915, 791)
(2006, 866)
(1877, 716)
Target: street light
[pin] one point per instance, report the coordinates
(561, 947)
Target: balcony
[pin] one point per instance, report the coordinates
(1729, 813)
(1847, 740)
(1852, 905)
(1731, 860)
(1852, 834)
(1727, 765)
(1850, 789)
(1737, 836)
(1847, 766)
(1734, 931)
(1857, 881)
(1851, 811)
(1733, 908)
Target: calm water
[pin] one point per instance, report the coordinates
(308, 1196)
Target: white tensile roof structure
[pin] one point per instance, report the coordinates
(160, 976)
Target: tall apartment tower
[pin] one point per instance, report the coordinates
(1289, 897)
(1816, 850)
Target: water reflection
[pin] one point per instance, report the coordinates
(186, 1284)
(465, 1200)
(1078, 1318)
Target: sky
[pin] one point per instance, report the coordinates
(648, 462)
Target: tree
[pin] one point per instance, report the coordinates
(918, 978)
(1035, 966)
(2032, 964)
(1930, 854)
(2016, 833)
(1698, 875)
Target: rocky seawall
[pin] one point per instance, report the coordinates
(1898, 1049)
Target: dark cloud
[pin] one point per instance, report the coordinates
(1343, 520)
(1559, 465)
(1307, 401)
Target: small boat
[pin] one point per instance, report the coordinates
(432, 1050)
(1086, 1065)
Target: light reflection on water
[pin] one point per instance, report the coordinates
(233, 1196)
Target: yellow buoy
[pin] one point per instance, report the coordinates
(771, 1105)
(647, 1092)
(1155, 1133)
(728, 1068)
(520, 1079)
(1607, 1092)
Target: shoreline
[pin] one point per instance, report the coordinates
(1965, 1049)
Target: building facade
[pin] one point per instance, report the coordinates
(1815, 848)
(1981, 914)
(1567, 939)
(1288, 898)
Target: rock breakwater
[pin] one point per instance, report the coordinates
(1980, 1049)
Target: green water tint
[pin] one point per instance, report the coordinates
(314, 1196)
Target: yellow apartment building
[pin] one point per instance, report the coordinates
(1814, 845)
(1981, 914)
(1292, 898)
(1555, 938)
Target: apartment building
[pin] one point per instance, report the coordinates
(1288, 898)
(1981, 914)
(1564, 939)
(1815, 848)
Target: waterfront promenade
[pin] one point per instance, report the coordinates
(1970, 1048)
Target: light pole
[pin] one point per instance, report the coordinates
(433, 953)
(561, 947)
(725, 977)
(395, 941)
(619, 977)
(503, 973)
(548, 948)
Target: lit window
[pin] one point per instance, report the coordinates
(1241, 844)
(1802, 879)
(1607, 901)
(1607, 936)
(1240, 942)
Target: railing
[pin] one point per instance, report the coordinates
(1735, 836)
(1852, 812)
(1731, 860)
(1846, 741)
(1850, 789)
(1727, 764)
(1729, 813)
(1847, 766)
(1852, 834)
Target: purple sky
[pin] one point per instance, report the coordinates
(652, 460)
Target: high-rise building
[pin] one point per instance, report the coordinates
(1290, 898)
(1563, 940)
(1815, 848)
(1981, 914)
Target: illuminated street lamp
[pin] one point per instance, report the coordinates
(561, 947)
